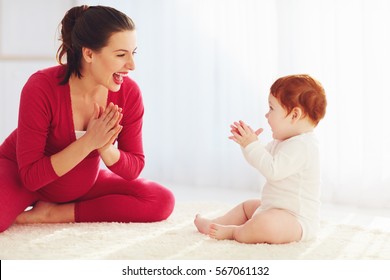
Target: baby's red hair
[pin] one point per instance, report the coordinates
(301, 91)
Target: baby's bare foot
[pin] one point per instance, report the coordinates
(40, 213)
(202, 224)
(221, 232)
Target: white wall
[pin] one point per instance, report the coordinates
(28, 42)
(28, 28)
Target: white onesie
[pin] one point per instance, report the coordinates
(292, 171)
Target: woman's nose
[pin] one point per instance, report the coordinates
(130, 64)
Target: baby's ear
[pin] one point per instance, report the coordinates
(296, 114)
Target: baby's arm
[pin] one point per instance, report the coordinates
(290, 158)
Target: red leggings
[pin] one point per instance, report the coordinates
(111, 199)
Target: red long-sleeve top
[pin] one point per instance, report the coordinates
(45, 127)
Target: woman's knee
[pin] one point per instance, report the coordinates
(165, 201)
(161, 200)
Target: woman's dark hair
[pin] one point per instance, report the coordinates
(89, 27)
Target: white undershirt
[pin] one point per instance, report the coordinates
(292, 171)
(79, 133)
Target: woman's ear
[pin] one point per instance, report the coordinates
(87, 54)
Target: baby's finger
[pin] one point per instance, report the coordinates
(250, 129)
(237, 136)
(233, 138)
(235, 129)
(260, 130)
(246, 127)
(240, 129)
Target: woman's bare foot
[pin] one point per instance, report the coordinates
(221, 232)
(40, 213)
(202, 224)
(47, 212)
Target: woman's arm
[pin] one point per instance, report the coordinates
(35, 114)
(102, 128)
(127, 159)
(38, 105)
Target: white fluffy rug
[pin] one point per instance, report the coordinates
(177, 238)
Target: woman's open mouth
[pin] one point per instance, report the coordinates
(118, 77)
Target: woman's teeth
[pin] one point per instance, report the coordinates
(119, 77)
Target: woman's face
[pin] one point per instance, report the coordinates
(109, 65)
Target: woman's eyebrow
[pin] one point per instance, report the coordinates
(124, 50)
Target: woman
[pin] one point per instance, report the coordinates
(70, 116)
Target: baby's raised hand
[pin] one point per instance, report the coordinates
(243, 134)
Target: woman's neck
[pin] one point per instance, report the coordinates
(85, 89)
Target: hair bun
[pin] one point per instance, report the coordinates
(68, 23)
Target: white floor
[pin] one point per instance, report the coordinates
(372, 218)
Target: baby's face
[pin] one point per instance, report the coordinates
(279, 121)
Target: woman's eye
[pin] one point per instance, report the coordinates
(121, 55)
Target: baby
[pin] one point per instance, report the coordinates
(289, 207)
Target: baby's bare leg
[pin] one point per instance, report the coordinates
(236, 216)
(274, 226)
